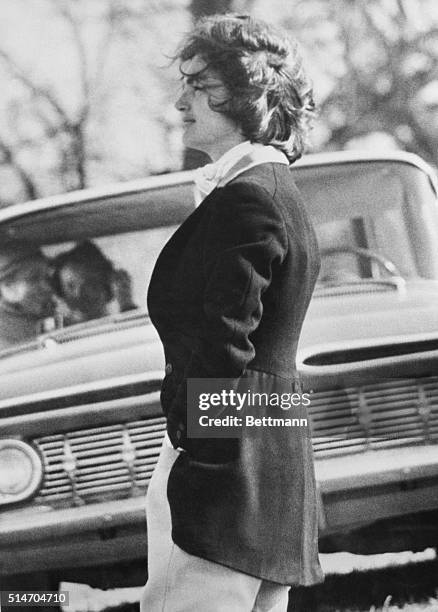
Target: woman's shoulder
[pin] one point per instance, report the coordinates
(268, 182)
(249, 200)
(259, 177)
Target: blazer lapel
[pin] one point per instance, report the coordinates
(171, 252)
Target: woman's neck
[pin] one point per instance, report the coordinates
(216, 151)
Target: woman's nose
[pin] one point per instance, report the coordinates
(183, 102)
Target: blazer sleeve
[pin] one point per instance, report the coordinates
(244, 242)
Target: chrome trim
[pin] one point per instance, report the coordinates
(377, 468)
(69, 465)
(94, 386)
(328, 289)
(56, 524)
(307, 352)
(114, 460)
(356, 419)
(129, 455)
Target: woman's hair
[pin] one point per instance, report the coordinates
(270, 96)
(90, 257)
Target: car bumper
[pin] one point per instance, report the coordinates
(355, 490)
(43, 538)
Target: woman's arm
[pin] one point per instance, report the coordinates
(245, 241)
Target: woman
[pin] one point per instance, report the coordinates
(83, 278)
(232, 522)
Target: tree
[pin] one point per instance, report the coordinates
(95, 69)
(88, 95)
(53, 123)
(388, 59)
(375, 69)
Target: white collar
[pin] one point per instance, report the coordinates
(232, 163)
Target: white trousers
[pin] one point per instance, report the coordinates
(179, 582)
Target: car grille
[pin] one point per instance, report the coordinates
(117, 460)
(391, 412)
(114, 460)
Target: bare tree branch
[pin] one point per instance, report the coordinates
(9, 157)
(64, 9)
(74, 129)
(36, 90)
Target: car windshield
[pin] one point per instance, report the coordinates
(373, 220)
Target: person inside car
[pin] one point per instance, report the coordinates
(83, 279)
(122, 286)
(26, 295)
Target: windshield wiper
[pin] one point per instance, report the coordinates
(394, 282)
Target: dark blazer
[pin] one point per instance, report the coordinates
(228, 297)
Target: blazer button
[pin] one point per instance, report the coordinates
(180, 431)
(168, 369)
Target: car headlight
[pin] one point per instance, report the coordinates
(21, 471)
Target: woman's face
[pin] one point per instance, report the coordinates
(205, 129)
(30, 289)
(83, 290)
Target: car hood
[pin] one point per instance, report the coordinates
(115, 352)
(350, 315)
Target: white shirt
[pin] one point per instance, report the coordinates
(232, 163)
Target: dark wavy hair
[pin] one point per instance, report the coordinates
(270, 96)
(89, 256)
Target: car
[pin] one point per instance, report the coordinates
(81, 424)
